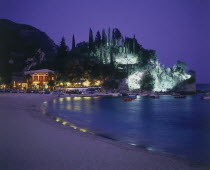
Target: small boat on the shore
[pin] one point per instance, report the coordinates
(154, 96)
(133, 97)
(129, 98)
(175, 94)
(206, 96)
(143, 94)
(179, 97)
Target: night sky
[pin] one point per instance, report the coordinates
(176, 29)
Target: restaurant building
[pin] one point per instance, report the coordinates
(39, 79)
(35, 79)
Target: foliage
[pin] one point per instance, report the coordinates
(147, 82)
(62, 49)
(116, 36)
(180, 66)
(51, 84)
(73, 42)
(110, 84)
(98, 39)
(62, 54)
(91, 41)
(104, 38)
(192, 79)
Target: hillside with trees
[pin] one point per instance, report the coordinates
(119, 62)
(23, 47)
(113, 59)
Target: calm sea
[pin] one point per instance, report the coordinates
(176, 126)
(203, 87)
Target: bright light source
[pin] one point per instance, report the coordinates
(86, 83)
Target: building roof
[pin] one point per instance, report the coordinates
(38, 71)
(18, 78)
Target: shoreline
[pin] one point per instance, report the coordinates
(128, 156)
(133, 146)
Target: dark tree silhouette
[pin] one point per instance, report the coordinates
(61, 55)
(147, 82)
(104, 38)
(134, 44)
(91, 41)
(116, 35)
(98, 39)
(192, 79)
(62, 49)
(73, 42)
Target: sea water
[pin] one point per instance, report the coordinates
(176, 126)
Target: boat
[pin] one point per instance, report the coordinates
(206, 96)
(143, 94)
(179, 97)
(127, 99)
(132, 96)
(154, 96)
(175, 94)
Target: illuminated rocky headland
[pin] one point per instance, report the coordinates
(117, 61)
(144, 70)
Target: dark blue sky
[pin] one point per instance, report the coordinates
(176, 29)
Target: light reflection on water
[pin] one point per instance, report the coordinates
(178, 126)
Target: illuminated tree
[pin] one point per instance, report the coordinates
(109, 37)
(181, 66)
(98, 43)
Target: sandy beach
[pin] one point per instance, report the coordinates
(29, 140)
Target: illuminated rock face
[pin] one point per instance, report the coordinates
(164, 78)
(134, 80)
(123, 58)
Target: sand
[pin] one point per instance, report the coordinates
(30, 140)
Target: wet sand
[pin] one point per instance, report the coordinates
(29, 140)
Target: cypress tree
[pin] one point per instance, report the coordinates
(62, 49)
(104, 45)
(113, 38)
(98, 39)
(73, 42)
(91, 42)
(61, 55)
(104, 38)
(123, 45)
(109, 37)
(116, 36)
(134, 44)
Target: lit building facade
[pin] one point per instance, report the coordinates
(19, 82)
(39, 79)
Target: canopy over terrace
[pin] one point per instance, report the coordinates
(31, 72)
